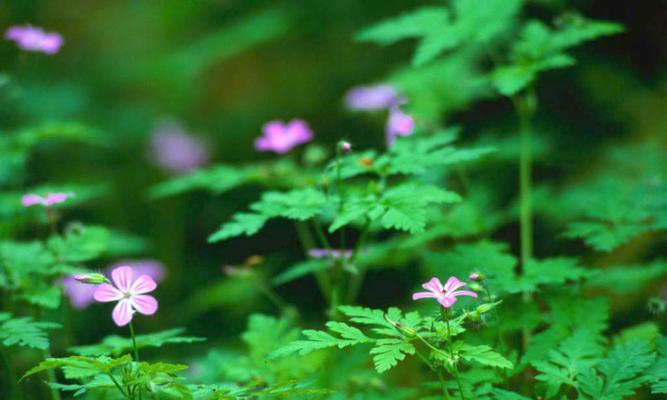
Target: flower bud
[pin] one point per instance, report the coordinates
(409, 332)
(91, 278)
(476, 287)
(476, 276)
(482, 308)
(345, 146)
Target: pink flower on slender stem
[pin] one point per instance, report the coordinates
(130, 295)
(50, 199)
(33, 38)
(281, 137)
(447, 294)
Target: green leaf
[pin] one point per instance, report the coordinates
(115, 345)
(549, 271)
(439, 32)
(484, 355)
(658, 371)
(80, 243)
(217, 180)
(493, 259)
(620, 374)
(575, 355)
(300, 270)
(242, 224)
(299, 204)
(388, 352)
(24, 331)
(541, 48)
(317, 340)
(80, 366)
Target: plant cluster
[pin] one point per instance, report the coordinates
(493, 321)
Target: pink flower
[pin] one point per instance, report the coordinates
(175, 150)
(47, 201)
(80, 294)
(398, 124)
(446, 295)
(130, 295)
(371, 98)
(281, 138)
(33, 38)
(152, 268)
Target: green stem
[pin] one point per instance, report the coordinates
(441, 379)
(358, 278)
(120, 388)
(51, 376)
(307, 243)
(525, 107)
(134, 342)
(274, 297)
(446, 313)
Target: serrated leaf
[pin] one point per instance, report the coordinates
(484, 355)
(115, 345)
(388, 352)
(24, 331)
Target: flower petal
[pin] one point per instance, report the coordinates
(447, 301)
(31, 199)
(145, 304)
(434, 285)
(453, 283)
(463, 293)
(424, 295)
(105, 293)
(143, 284)
(122, 277)
(122, 313)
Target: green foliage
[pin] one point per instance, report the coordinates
(438, 31)
(484, 355)
(620, 374)
(615, 279)
(300, 205)
(574, 357)
(78, 366)
(398, 338)
(24, 331)
(116, 345)
(541, 48)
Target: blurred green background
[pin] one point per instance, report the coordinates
(223, 68)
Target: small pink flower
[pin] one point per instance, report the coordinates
(371, 98)
(175, 150)
(398, 124)
(130, 295)
(33, 38)
(47, 201)
(80, 293)
(281, 138)
(474, 276)
(446, 295)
